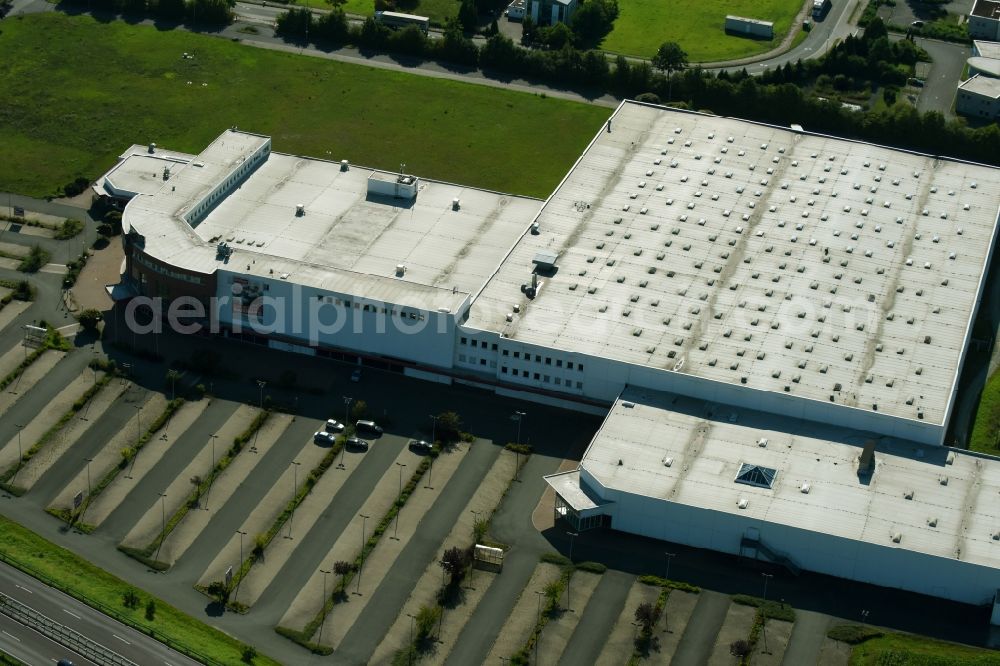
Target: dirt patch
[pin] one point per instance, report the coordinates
(103, 268)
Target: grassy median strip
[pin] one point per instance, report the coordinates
(147, 555)
(304, 636)
(66, 571)
(128, 455)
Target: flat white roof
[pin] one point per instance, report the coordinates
(708, 443)
(982, 85)
(346, 240)
(986, 49)
(140, 171)
(746, 253)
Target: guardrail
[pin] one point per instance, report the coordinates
(110, 611)
(61, 634)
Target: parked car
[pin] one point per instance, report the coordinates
(324, 438)
(420, 446)
(368, 427)
(917, 24)
(334, 426)
(356, 443)
(356, 375)
(64, 662)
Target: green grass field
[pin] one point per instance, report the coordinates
(77, 93)
(81, 579)
(984, 432)
(437, 10)
(697, 26)
(909, 650)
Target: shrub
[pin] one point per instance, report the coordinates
(150, 610)
(739, 648)
(592, 567)
(852, 634)
(359, 410)
(68, 229)
(37, 257)
(427, 617)
(77, 186)
(130, 599)
(89, 319)
(454, 561)
(249, 654)
(555, 558)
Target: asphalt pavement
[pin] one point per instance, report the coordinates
(76, 615)
(32, 648)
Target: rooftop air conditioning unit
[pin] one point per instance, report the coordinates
(456, 204)
(400, 270)
(300, 210)
(344, 165)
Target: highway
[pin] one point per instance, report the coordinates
(37, 650)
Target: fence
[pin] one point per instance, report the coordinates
(61, 634)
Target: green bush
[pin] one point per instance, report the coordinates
(592, 567)
(852, 634)
(555, 558)
(33, 262)
(69, 229)
(523, 449)
(772, 609)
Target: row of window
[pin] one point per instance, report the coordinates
(224, 186)
(367, 307)
(539, 377)
(472, 359)
(547, 360)
(140, 258)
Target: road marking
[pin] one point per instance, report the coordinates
(23, 588)
(121, 639)
(13, 636)
(71, 613)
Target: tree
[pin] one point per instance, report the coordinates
(593, 20)
(89, 319)
(646, 615)
(449, 427)
(218, 590)
(172, 10)
(130, 599)
(342, 568)
(739, 648)
(454, 561)
(529, 31)
(150, 610)
(427, 617)
(670, 58)
(468, 15)
(248, 654)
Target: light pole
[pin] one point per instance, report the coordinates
(295, 484)
(572, 537)
(409, 650)
(519, 417)
(89, 460)
(261, 383)
(163, 522)
(240, 569)
(322, 606)
(763, 611)
(242, 534)
(670, 556)
(361, 566)
(20, 455)
(211, 471)
(347, 410)
(430, 468)
(538, 618)
(475, 522)
(864, 616)
(395, 529)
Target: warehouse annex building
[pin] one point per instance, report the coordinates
(718, 282)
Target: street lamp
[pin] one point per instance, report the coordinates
(242, 534)
(211, 471)
(430, 468)
(519, 417)
(240, 569)
(295, 484)
(763, 619)
(538, 618)
(347, 410)
(864, 616)
(322, 606)
(572, 537)
(395, 529)
(670, 556)
(163, 520)
(361, 566)
(409, 650)
(20, 455)
(261, 383)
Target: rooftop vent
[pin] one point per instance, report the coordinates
(804, 488)
(400, 270)
(756, 475)
(866, 462)
(545, 259)
(897, 537)
(456, 204)
(300, 210)
(668, 461)
(152, 148)
(344, 165)
(742, 503)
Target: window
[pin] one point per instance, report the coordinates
(579, 385)
(494, 346)
(517, 354)
(579, 367)
(569, 365)
(461, 358)
(755, 475)
(504, 352)
(483, 344)
(482, 361)
(356, 305)
(347, 304)
(545, 379)
(558, 381)
(514, 372)
(503, 370)
(464, 341)
(548, 360)
(538, 358)
(558, 362)
(537, 376)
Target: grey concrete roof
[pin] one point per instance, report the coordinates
(345, 241)
(982, 85)
(939, 500)
(746, 253)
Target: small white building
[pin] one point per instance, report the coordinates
(550, 12)
(979, 97)
(749, 27)
(984, 20)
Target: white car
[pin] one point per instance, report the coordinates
(334, 426)
(324, 438)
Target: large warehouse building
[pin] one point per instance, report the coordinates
(720, 283)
